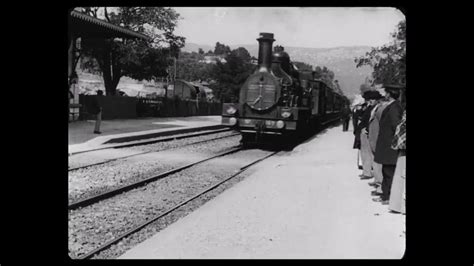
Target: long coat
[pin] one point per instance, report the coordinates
(355, 121)
(391, 116)
(364, 119)
(95, 106)
(374, 125)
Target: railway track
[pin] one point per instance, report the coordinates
(93, 199)
(142, 225)
(155, 141)
(151, 141)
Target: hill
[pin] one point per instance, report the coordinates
(338, 59)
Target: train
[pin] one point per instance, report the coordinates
(278, 99)
(189, 91)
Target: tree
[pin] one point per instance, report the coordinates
(201, 51)
(230, 76)
(388, 61)
(337, 87)
(221, 49)
(326, 75)
(139, 59)
(242, 53)
(189, 68)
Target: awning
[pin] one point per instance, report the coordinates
(82, 25)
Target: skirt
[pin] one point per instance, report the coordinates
(397, 193)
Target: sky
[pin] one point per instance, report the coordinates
(292, 26)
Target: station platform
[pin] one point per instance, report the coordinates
(307, 204)
(82, 138)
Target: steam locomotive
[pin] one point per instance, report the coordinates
(278, 99)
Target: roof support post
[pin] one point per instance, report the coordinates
(71, 55)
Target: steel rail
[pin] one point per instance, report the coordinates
(140, 153)
(96, 198)
(142, 225)
(154, 140)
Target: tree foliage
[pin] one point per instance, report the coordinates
(230, 76)
(138, 59)
(221, 49)
(388, 61)
(325, 75)
(225, 78)
(190, 68)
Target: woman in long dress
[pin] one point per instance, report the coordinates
(397, 193)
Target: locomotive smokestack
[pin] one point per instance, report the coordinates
(265, 50)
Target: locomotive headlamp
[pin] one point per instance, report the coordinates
(269, 123)
(280, 124)
(232, 121)
(285, 114)
(231, 110)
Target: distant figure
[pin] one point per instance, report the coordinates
(366, 153)
(346, 117)
(358, 110)
(97, 111)
(384, 154)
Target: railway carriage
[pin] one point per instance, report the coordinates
(278, 99)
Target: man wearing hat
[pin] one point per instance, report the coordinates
(366, 153)
(345, 117)
(356, 116)
(384, 154)
(373, 129)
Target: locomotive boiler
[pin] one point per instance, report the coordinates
(278, 99)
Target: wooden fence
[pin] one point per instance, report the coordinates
(119, 107)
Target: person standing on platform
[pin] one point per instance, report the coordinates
(97, 111)
(366, 153)
(384, 154)
(358, 110)
(346, 117)
(397, 200)
(373, 129)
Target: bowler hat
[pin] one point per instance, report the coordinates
(376, 95)
(366, 95)
(372, 95)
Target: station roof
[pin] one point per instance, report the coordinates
(83, 25)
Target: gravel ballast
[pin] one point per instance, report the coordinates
(100, 156)
(93, 180)
(96, 224)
